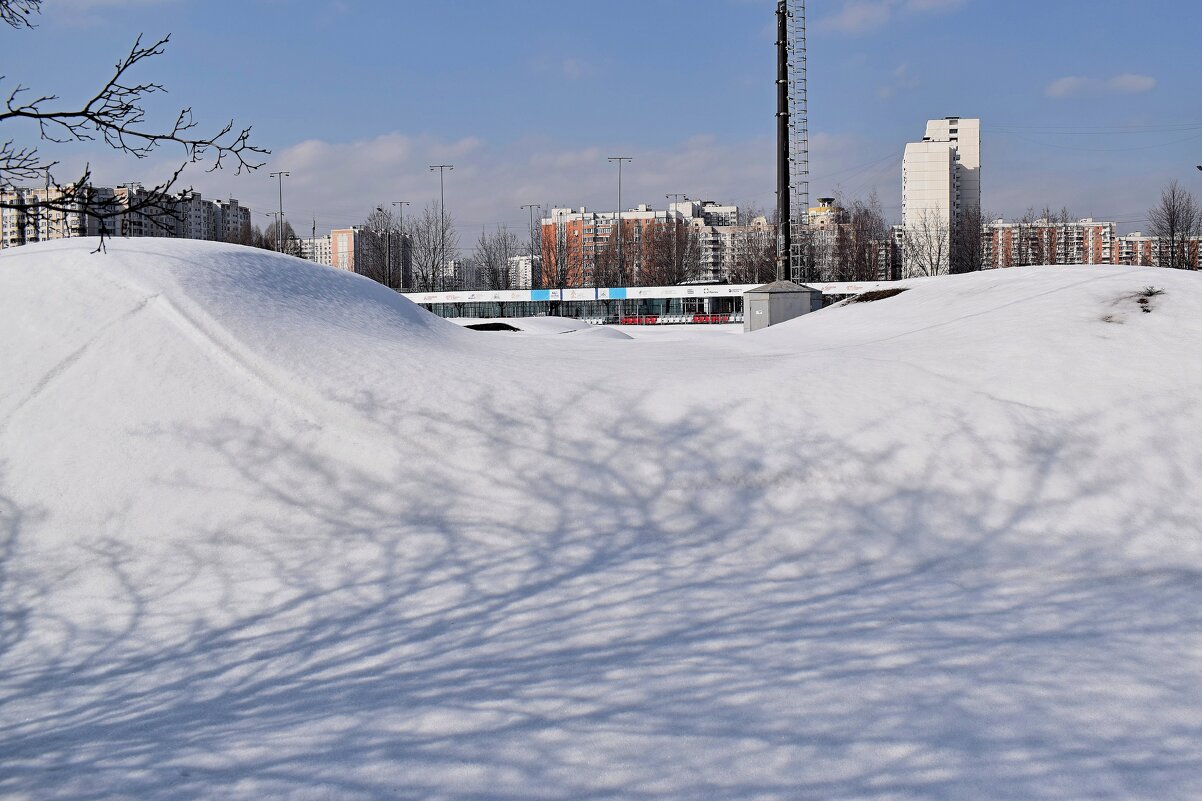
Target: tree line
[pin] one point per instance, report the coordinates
(423, 252)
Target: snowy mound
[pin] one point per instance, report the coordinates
(270, 531)
(540, 326)
(530, 325)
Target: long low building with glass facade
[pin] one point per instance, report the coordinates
(688, 303)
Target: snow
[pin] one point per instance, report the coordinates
(543, 326)
(686, 332)
(268, 530)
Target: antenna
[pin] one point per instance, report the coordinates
(799, 138)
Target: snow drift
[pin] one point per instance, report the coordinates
(270, 531)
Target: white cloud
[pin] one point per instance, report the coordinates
(1131, 83)
(933, 5)
(90, 13)
(572, 68)
(339, 183)
(1062, 87)
(860, 16)
(901, 80)
(1127, 83)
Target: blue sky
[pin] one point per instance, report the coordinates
(1083, 104)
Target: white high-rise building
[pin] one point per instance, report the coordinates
(523, 270)
(941, 180)
(965, 136)
(317, 249)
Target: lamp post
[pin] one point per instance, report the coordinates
(280, 226)
(442, 216)
(387, 252)
(675, 264)
(275, 216)
(620, 159)
(532, 207)
(401, 204)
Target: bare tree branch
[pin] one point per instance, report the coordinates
(16, 13)
(927, 243)
(115, 115)
(1175, 221)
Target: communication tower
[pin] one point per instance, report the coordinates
(793, 141)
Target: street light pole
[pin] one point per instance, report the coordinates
(620, 159)
(274, 215)
(442, 215)
(532, 207)
(280, 226)
(387, 251)
(401, 204)
(679, 196)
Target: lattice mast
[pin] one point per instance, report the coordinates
(793, 141)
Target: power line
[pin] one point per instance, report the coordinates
(1104, 149)
(1096, 130)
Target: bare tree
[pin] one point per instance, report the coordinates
(1066, 240)
(116, 115)
(17, 12)
(605, 264)
(271, 239)
(557, 255)
(755, 253)
(244, 234)
(688, 253)
(248, 235)
(382, 257)
(926, 245)
(430, 259)
(534, 251)
(1174, 221)
(748, 214)
(860, 244)
(1031, 248)
(493, 251)
(968, 242)
(614, 264)
(670, 255)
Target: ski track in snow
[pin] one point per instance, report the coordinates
(65, 364)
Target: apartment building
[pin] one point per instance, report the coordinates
(121, 211)
(825, 216)
(25, 218)
(1137, 249)
(139, 216)
(722, 248)
(580, 237)
(964, 135)
(347, 247)
(523, 272)
(941, 181)
(1044, 241)
(317, 249)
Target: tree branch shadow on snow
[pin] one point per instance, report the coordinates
(613, 613)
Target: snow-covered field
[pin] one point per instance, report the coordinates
(269, 531)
